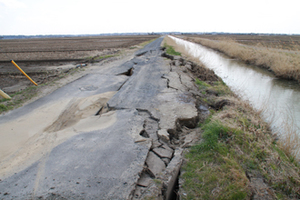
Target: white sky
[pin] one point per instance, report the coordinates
(34, 17)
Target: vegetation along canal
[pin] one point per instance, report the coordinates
(277, 99)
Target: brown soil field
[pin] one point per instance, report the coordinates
(64, 48)
(288, 42)
(49, 58)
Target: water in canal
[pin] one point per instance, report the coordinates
(279, 99)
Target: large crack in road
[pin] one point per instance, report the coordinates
(109, 135)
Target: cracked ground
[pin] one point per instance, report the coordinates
(107, 135)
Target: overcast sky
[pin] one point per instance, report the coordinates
(34, 17)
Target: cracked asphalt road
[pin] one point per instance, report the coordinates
(95, 156)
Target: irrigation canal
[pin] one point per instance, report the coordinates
(278, 99)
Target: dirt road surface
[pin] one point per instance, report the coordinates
(107, 135)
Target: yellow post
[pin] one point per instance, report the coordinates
(15, 64)
(4, 95)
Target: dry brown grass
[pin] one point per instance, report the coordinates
(276, 161)
(288, 135)
(284, 63)
(290, 139)
(287, 42)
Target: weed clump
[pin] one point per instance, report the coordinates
(201, 84)
(3, 108)
(171, 51)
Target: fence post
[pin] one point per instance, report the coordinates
(15, 64)
(4, 95)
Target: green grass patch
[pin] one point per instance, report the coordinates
(103, 57)
(3, 108)
(4, 100)
(100, 57)
(89, 58)
(171, 51)
(18, 98)
(211, 176)
(212, 171)
(221, 88)
(213, 132)
(202, 84)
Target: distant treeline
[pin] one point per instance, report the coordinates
(124, 34)
(224, 33)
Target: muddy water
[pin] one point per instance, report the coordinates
(279, 99)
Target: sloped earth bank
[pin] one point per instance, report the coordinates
(248, 163)
(116, 133)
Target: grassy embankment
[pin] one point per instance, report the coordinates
(237, 157)
(284, 63)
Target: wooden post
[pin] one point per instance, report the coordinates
(4, 95)
(15, 64)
